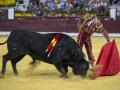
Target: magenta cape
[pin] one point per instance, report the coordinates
(109, 59)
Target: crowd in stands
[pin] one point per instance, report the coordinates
(70, 6)
(41, 7)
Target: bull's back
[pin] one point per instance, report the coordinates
(36, 40)
(15, 34)
(29, 38)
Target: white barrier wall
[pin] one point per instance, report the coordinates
(113, 13)
(72, 34)
(11, 13)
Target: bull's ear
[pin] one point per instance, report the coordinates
(84, 65)
(81, 52)
(75, 55)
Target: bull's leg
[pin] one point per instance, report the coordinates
(14, 68)
(65, 68)
(5, 59)
(61, 69)
(14, 62)
(33, 59)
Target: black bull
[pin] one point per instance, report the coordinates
(66, 52)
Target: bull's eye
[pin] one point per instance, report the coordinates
(84, 66)
(58, 48)
(16, 38)
(14, 48)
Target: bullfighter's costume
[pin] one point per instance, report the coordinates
(87, 25)
(108, 62)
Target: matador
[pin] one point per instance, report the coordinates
(88, 25)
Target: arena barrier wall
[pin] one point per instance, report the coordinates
(53, 24)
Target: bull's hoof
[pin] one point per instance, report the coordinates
(33, 62)
(1, 75)
(37, 62)
(16, 74)
(64, 76)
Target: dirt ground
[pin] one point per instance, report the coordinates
(43, 76)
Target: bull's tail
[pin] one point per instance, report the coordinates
(3, 42)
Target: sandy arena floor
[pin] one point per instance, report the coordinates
(43, 76)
